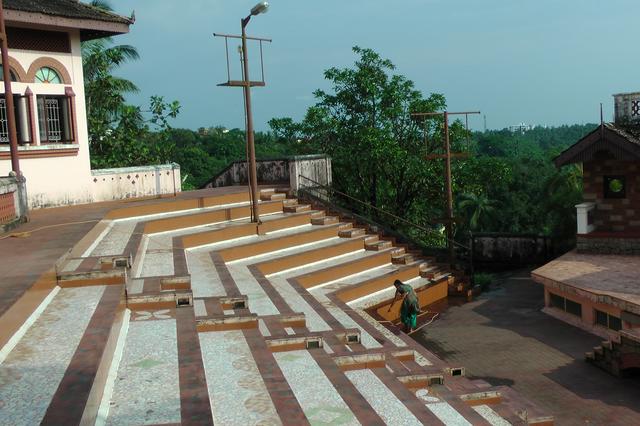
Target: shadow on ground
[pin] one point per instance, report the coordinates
(514, 305)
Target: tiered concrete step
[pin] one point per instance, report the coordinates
(277, 242)
(403, 259)
(376, 245)
(325, 220)
(352, 233)
(215, 215)
(177, 207)
(402, 273)
(306, 257)
(235, 231)
(271, 195)
(345, 269)
(297, 208)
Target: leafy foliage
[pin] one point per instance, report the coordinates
(119, 134)
(508, 184)
(365, 123)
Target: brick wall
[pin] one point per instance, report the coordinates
(613, 214)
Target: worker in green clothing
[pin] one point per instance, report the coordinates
(410, 307)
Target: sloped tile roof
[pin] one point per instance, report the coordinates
(73, 9)
(621, 141)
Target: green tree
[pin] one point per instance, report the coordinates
(364, 123)
(119, 134)
(478, 210)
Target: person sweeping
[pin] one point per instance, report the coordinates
(410, 307)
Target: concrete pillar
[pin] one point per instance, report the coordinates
(582, 218)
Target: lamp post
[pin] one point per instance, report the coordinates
(259, 8)
(8, 96)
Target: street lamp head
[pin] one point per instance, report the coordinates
(259, 8)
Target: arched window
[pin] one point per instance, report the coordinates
(14, 77)
(48, 75)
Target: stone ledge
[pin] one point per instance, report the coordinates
(608, 245)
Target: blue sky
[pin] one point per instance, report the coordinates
(536, 61)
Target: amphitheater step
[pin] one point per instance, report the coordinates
(342, 270)
(379, 246)
(380, 282)
(403, 259)
(397, 251)
(326, 220)
(431, 271)
(301, 258)
(351, 233)
(345, 225)
(272, 196)
(264, 246)
(297, 208)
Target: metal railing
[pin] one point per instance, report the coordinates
(394, 226)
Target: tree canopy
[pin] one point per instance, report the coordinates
(508, 182)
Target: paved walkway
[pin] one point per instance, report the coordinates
(504, 339)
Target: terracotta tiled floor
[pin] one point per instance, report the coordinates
(504, 339)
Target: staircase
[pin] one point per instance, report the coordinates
(618, 358)
(186, 312)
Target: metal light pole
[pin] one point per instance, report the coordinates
(448, 184)
(253, 176)
(447, 156)
(8, 95)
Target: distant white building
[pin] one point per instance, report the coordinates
(520, 128)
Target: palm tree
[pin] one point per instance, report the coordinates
(478, 210)
(104, 92)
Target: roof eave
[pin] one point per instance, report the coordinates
(571, 154)
(88, 27)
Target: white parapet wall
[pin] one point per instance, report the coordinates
(298, 172)
(132, 182)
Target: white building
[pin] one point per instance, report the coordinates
(46, 69)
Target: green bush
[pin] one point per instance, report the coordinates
(483, 280)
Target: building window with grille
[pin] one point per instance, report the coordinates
(22, 111)
(54, 119)
(606, 320)
(569, 306)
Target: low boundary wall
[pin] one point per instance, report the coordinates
(133, 182)
(281, 171)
